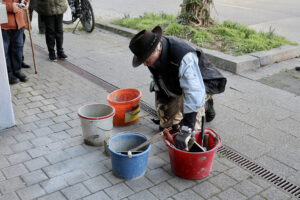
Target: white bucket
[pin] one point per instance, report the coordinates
(96, 122)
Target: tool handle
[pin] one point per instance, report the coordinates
(202, 130)
(155, 137)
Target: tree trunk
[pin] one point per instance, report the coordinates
(196, 12)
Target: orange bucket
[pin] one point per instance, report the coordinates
(127, 105)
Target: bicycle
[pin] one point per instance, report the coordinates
(82, 10)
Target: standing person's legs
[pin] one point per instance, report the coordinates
(6, 35)
(17, 53)
(41, 25)
(50, 35)
(59, 36)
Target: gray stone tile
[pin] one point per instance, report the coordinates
(3, 162)
(14, 171)
(274, 194)
(157, 175)
(97, 196)
(75, 176)
(34, 177)
(24, 136)
(59, 127)
(155, 162)
(97, 183)
(32, 111)
(112, 178)
(61, 118)
(238, 174)
(289, 126)
(46, 115)
(287, 156)
(57, 169)
(62, 111)
(57, 156)
(9, 196)
(59, 135)
(247, 188)
(206, 189)
(187, 194)
(119, 191)
(28, 119)
(22, 146)
(231, 194)
(222, 181)
(53, 196)
(163, 190)
(54, 184)
(36, 163)
(145, 195)
(42, 131)
(31, 192)
(181, 184)
(38, 151)
(41, 141)
(48, 107)
(2, 178)
(75, 192)
(11, 185)
(18, 158)
(96, 169)
(139, 184)
(44, 122)
(76, 151)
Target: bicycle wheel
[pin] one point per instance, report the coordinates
(87, 18)
(67, 18)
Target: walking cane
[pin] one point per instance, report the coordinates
(30, 35)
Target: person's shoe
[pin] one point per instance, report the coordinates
(62, 55)
(24, 65)
(13, 80)
(21, 76)
(52, 57)
(209, 110)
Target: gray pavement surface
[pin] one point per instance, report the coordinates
(44, 157)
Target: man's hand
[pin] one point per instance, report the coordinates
(184, 140)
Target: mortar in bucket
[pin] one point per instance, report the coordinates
(123, 166)
(127, 105)
(96, 123)
(194, 165)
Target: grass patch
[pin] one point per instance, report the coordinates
(231, 38)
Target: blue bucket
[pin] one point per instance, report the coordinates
(123, 166)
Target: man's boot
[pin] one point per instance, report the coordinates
(209, 110)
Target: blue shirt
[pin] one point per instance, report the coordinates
(191, 82)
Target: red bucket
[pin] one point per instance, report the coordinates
(194, 165)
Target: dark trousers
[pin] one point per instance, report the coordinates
(13, 48)
(54, 33)
(41, 24)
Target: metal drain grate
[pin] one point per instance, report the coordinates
(260, 171)
(239, 159)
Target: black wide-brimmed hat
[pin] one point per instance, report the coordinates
(143, 44)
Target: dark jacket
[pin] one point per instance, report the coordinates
(166, 70)
(51, 7)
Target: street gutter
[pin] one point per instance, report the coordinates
(234, 64)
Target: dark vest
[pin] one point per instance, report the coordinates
(166, 70)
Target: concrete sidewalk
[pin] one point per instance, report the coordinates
(44, 157)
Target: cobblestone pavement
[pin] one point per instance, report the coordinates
(44, 157)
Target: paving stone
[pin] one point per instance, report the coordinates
(231, 194)
(36, 163)
(222, 181)
(139, 184)
(96, 169)
(18, 158)
(41, 141)
(24, 136)
(145, 195)
(38, 151)
(187, 194)
(97, 196)
(54, 184)
(155, 162)
(22, 146)
(157, 175)
(247, 188)
(28, 119)
(74, 131)
(57, 156)
(76, 151)
(59, 135)
(57, 169)
(61, 118)
(14, 171)
(46, 115)
(257, 197)
(62, 111)
(238, 174)
(181, 184)
(31, 192)
(42, 131)
(288, 156)
(75, 176)
(75, 192)
(94, 156)
(119, 191)
(36, 92)
(32, 111)
(206, 189)
(2, 178)
(97, 183)
(36, 98)
(34, 177)
(74, 123)
(112, 178)
(163, 190)
(3, 162)
(274, 194)
(59, 127)
(11, 185)
(44, 122)
(53, 196)
(259, 181)
(9, 196)
(48, 107)
(34, 105)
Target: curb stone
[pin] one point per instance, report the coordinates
(234, 64)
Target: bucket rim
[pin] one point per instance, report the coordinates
(124, 102)
(185, 152)
(133, 155)
(96, 118)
